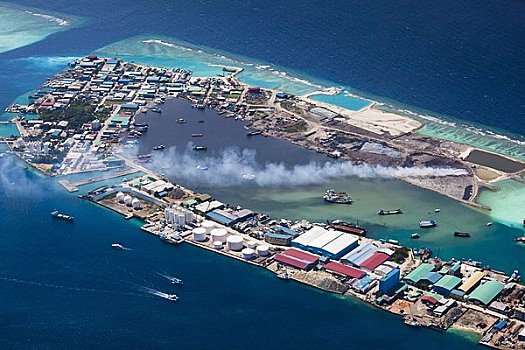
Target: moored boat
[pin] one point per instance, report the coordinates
(332, 196)
(461, 234)
(427, 223)
(390, 212)
(254, 133)
(348, 227)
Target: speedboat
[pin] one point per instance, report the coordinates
(202, 167)
(159, 148)
(427, 223)
(414, 235)
(117, 246)
(200, 148)
(181, 121)
(56, 214)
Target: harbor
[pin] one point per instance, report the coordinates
(414, 284)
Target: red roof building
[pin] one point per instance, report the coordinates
(375, 260)
(344, 270)
(297, 258)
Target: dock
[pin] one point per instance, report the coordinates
(73, 186)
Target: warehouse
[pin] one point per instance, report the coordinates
(375, 260)
(343, 270)
(297, 258)
(333, 244)
(359, 255)
(419, 273)
(303, 240)
(486, 292)
(446, 284)
(471, 282)
(277, 238)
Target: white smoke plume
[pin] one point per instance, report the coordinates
(233, 166)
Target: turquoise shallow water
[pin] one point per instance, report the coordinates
(343, 100)
(21, 26)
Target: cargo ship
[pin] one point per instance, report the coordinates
(461, 234)
(56, 214)
(348, 227)
(332, 196)
(427, 223)
(390, 212)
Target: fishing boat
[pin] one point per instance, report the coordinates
(159, 148)
(414, 235)
(57, 215)
(283, 275)
(197, 135)
(390, 212)
(200, 148)
(181, 121)
(461, 234)
(332, 196)
(427, 223)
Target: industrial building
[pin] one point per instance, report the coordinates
(486, 292)
(471, 282)
(333, 244)
(367, 256)
(278, 238)
(446, 285)
(229, 217)
(390, 281)
(419, 273)
(297, 258)
(343, 270)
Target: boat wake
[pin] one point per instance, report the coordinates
(172, 279)
(70, 288)
(158, 293)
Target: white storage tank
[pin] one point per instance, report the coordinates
(251, 244)
(263, 250)
(135, 203)
(234, 242)
(219, 234)
(181, 219)
(120, 197)
(217, 245)
(208, 225)
(127, 200)
(199, 234)
(248, 253)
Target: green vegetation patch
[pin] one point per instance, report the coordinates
(76, 114)
(400, 255)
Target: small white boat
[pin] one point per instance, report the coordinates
(283, 275)
(117, 246)
(437, 210)
(489, 223)
(202, 167)
(414, 235)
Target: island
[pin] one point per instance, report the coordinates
(81, 119)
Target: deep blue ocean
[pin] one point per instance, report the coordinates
(62, 286)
